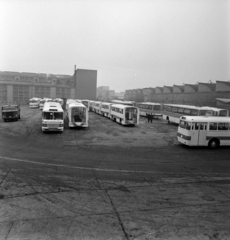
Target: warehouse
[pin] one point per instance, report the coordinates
(21, 86)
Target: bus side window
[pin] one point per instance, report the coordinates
(222, 126)
(188, 127)
(196, 126)
(203, 126)
(212, 126)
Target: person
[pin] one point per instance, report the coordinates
(148, 117)
(151, 117)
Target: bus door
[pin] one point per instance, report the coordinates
(199, 133)
(131, 114)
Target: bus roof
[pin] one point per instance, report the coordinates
(122, 106)
(49, 106)
(76, 104)
(205, 119)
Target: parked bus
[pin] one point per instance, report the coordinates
(173, 112)
(153, 109)
(86, 103)
(11, 111)
(77, 114)
(126, 115)
(204, 131)
(52, 117)
(34, 102)
(97, 107)
(42, 102)
(106, 109)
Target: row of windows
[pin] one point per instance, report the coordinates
(214, 126)
(150, 107)
(119, 110)
(105, 106)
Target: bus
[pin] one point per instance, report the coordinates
(42, 102)
(106, 109)
(77, 114)
(11, 111)
(34, 102)
(146, 108)
(86, 103)
(173, 112)
(124, 114)
(209, 131)
(97, 107)
(52, 117)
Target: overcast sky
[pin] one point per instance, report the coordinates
(131, 43)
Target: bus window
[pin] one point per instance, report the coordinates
(182, 124)
(223, 113)
(187, 111)
(212, 126)
(180, 110)
(203, 126)
(58, 115)
(194, 112)
(167, 108)
(222, 126)
(157, 107)
(174, 109)
(196, 126)
(188, 126)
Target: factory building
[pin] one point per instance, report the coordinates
(200, 94)
(21, 86)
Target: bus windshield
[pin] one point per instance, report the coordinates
(53, 115)
(185, 125)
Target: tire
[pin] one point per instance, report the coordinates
(213, 143)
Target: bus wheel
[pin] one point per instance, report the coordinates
(213, 143)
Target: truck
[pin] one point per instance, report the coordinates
(11, 112)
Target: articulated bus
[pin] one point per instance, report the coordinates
(146, 108)
(124, 114)
(77, 114)
(34, 102)
(204, 131)
(52, 117)
(173, 112)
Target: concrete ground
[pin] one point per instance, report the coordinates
(109, 182)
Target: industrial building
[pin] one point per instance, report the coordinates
(200, 94)
(19, 87)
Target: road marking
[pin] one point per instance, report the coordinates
(85, 168)
(99, 169)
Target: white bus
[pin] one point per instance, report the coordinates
(106, 109)
(86, 103)
(34, 102)
(42, 102)
(77, 114)
(147, 108)
(52, 117)
(173, 112)
(126, 115)
(97, 107)
(204, 131)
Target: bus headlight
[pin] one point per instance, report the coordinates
(61, 125)
(44, 125)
